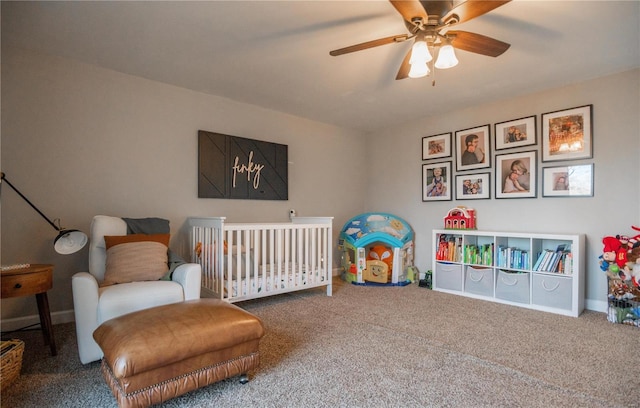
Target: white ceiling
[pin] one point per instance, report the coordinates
(275, 54)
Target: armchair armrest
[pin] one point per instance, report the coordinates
(189, 276)
(85, 305)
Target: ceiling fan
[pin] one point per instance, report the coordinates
(428, 23)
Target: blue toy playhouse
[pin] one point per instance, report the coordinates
(377, 249)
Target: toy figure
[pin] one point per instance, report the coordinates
(611, 258)
(381, 253)
(630, 242)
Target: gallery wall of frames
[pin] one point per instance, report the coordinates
(512, 159)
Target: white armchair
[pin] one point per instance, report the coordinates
(93, 304)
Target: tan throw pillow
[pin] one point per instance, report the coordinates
(111, 240)
(135, 261)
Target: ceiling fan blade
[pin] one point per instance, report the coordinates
(370, 44)
(403, 72)
(410, 9)
(471, 9)
(478, 43)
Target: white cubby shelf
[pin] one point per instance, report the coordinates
(536, 271)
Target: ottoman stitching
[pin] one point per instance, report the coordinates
(178, 377)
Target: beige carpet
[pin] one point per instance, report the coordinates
(385, 347)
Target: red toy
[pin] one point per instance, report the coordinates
(630, 242)
(460, 218)
(617, 252)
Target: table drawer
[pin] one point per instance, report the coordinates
(26, 284)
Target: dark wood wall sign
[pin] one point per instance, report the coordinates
(239, 168)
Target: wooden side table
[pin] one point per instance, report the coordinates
(36, 279)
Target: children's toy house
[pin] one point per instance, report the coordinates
(377, 249)
(460, 218)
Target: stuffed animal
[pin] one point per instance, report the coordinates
(612, 257)
(635, 274)
(622, 253)
(629, 243)
(619, 289)
(633, 265)
(381, 253)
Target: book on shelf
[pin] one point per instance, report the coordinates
(479, 255)
(565, 264)
(555, 261)
(512, 258)
(568, 264)
(543, 260)
(449, 249)
(558, 261)
(546, 266)
(536, 266)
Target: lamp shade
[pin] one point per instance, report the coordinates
(418, 70)
(67, 241)
(446, 57)
(420, 53)
(70, 241)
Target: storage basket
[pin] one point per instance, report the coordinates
(10, 361)
(623, 302)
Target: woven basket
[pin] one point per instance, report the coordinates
(10, 361)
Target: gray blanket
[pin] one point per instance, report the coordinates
(155, 226)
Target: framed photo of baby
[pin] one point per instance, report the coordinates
(472, 186)
(566, 134)
(515, 133)
(436, 183)
(516, 175)
(472, 148)
(568, 181)
(435, 147)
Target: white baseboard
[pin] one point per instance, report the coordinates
(596, 305)
(16, 323)
(67, 316)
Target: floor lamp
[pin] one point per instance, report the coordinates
(68, 241)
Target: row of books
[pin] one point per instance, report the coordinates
(511, 257)
(478, 255)
(449, 249)
(558, 261)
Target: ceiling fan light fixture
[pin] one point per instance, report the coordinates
(418, 70)
(420, 53)
(446, 57)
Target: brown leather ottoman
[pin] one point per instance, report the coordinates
(157, 354)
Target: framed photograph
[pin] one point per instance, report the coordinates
(472, 186)
(472, 148)
(567, 135)
(515, 133)
(568, 181)
(516, 175)
(436, 181)
(435, 147)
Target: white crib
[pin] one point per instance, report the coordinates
(242, 261)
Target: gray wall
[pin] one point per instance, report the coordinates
(80, 140)
(616, 146)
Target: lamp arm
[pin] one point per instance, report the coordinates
(29, 202)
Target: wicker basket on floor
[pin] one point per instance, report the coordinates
(10, 361)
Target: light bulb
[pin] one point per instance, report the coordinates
(446, 57)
